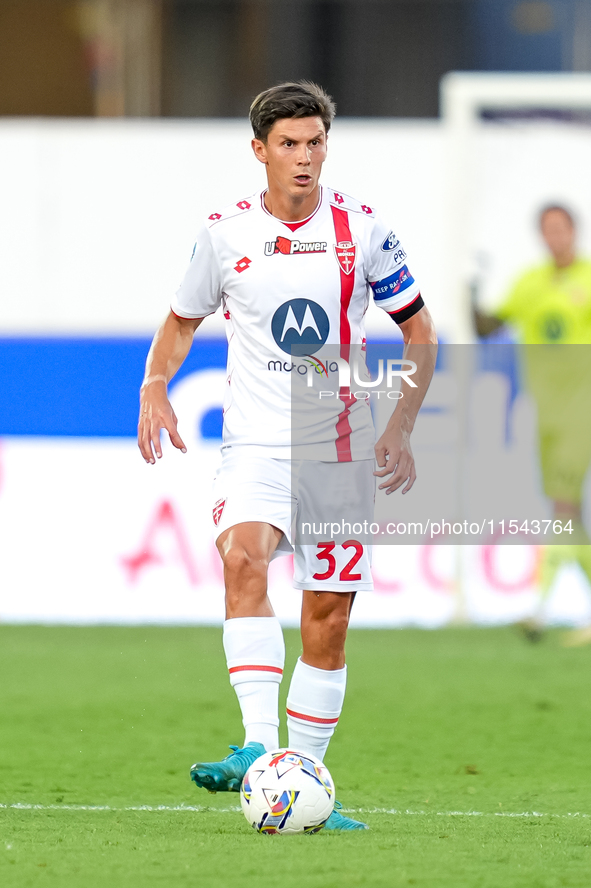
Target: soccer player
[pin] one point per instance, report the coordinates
(292, 268)
(551, 305)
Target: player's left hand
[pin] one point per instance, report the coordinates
(394, 454)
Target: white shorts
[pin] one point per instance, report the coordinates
(296, 494)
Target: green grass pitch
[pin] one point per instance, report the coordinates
(447, 734)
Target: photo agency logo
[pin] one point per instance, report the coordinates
(392, 372)
(300, 328)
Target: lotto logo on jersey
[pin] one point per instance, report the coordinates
(300, 327)
(242, 264)
(291, 247)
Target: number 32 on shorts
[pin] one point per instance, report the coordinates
(325, 554)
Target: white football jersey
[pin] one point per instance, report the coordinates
(287, 290)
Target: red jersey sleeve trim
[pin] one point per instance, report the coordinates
(190, 317)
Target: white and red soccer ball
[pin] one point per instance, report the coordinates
(285, 792)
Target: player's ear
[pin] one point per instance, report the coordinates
(260, 150)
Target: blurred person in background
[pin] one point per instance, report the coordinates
(550, 305)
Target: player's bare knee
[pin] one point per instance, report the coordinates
(332, 624)
(235, 560)
(324, 640)
(326, 605)
(337, 624)
(243, 565)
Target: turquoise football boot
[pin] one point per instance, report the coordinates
(339, 821)
(227, 776)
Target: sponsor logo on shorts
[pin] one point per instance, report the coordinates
(300, 327)
(217, 511)
(292, 247)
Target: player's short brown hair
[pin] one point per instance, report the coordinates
(556, 208)
(298, 99)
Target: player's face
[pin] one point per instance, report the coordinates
(294, 153)
(558, 233)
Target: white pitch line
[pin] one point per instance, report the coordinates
(24, 806)
(202, 809)
(460, 813)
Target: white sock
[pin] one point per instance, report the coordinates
(255, 653)
(314, 704)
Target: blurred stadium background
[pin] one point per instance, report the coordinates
(123, 123)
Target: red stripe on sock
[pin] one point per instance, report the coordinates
(312, 718)
(256, 669)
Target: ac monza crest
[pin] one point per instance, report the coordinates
(346, 254)
(217, 511)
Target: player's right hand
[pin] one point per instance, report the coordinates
(156, 413)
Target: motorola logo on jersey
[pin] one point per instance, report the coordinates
(290, 247)
(300, 327)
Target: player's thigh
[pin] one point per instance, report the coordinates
(320, 606)
(324, 625)
(255, 540)
(253, 502)
(335, 503)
